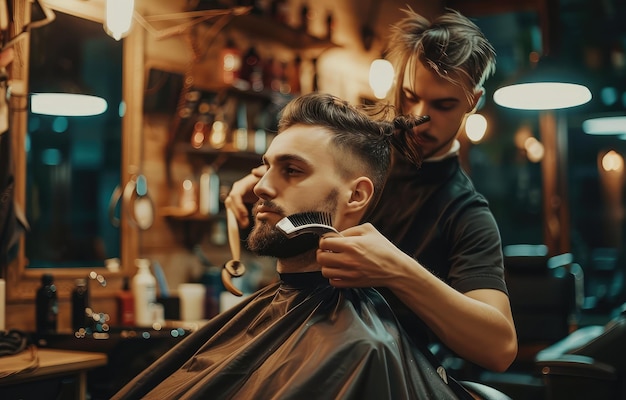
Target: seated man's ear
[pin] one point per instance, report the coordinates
(362, 193)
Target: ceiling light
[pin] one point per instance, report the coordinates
(67, 104)
(605, 125)
(119, 17)
(542, 96)
(547, 86)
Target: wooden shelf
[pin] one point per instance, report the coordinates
(296, 39)
(224, 158)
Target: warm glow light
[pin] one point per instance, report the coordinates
(475, 127)
(381, 77)
(605, 126)
(542, 96)
(522, 134)
(612, 161)
(534, 149)
(67, 104)
(119, 16)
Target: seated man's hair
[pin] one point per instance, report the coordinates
(356, 133)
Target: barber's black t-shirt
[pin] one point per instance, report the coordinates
(435, 214)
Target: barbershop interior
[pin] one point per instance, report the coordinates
(116, 242)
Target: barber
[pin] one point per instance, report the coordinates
(432, 245)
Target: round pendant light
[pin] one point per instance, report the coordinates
(548, 85)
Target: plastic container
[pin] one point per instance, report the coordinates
(47, 306)
(144, 293)
(192, 297)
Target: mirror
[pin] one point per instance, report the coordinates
(73, 163)
(92, 144)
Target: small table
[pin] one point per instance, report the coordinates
(19, 368)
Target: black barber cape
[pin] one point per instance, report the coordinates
(299, 338)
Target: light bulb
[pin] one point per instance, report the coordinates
(381, 77)
(119, 17)
(475, 127)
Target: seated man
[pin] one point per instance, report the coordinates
(301, 337)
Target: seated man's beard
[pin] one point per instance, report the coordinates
(267, 240)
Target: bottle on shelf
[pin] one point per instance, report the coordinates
(304, 18)
(315, 82)
(279, 11)
(209, 192)
(330, 26)
(252, 70)
(200, 134)
(231, 62)
(126, 304)
(47, 306)
(294, 75)
(284, 87)
(80, 302)
(144, 293)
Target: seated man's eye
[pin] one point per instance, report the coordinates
(291, 171)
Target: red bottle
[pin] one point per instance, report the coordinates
(126, 305)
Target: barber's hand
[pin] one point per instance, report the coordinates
(6, 57)
(241, 194)
(361, 257)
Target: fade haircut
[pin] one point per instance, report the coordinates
(361, 144)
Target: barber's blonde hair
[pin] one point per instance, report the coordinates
(451, 45)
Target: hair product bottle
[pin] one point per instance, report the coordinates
(126, 305)
(144, 292)
(80, 302)
(209, 191)
(47, 306)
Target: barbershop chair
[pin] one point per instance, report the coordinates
(483, 392)
(546, 294)
(589, 363)
(605, 279)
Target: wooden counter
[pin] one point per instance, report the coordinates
(37, 364)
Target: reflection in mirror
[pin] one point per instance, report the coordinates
(73, 163)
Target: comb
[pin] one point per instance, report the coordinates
(316, 222)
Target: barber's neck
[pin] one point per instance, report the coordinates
(301, 263)
(452, 151)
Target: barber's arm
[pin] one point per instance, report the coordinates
(477, 325)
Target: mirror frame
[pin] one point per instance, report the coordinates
(22, 282)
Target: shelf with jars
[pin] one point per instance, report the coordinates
(268, 29)
(269, 20)
(223, 133)
(229, 105)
